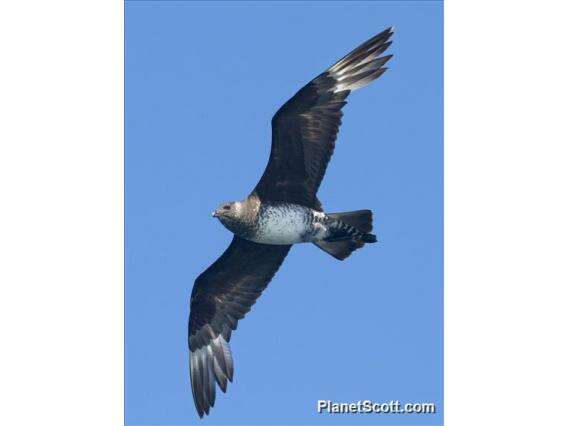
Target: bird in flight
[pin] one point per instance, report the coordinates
(282, 210)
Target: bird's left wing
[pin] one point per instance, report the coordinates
(221, 296)
(305, 128)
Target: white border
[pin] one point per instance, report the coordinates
(506, 213)
(61, 216)
(61, 178)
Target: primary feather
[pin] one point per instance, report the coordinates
(304, 131)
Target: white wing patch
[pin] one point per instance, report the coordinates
(363, 65)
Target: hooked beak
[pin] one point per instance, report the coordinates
(215, 214)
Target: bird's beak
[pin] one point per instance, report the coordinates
(215, 214)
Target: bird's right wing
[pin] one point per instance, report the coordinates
(221, 296)
(305, 128)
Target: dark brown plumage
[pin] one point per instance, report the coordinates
(221, 296)
(304, 131)
(305, 128)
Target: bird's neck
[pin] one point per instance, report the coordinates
(244, 225)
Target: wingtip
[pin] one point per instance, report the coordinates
(209, 365)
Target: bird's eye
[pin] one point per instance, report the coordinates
(227, 207)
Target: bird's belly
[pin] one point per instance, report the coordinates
(282, 226)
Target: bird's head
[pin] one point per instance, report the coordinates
(228, 212)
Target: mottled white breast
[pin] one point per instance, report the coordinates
(285, 224)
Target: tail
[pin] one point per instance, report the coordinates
(351, 230)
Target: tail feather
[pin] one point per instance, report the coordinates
(344, 245)
(360, 219)
(369, 238)
(339, 249)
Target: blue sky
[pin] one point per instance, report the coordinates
(202, 83)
